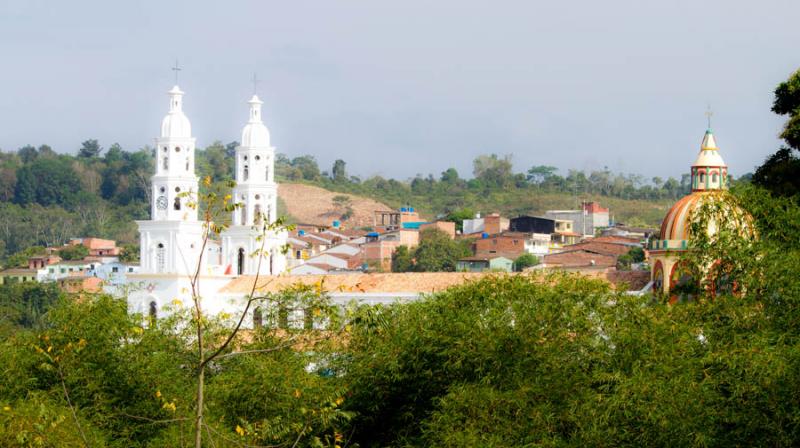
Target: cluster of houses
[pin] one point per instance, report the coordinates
(100, 267)
(582, 239)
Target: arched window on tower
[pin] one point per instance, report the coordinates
(714, 178)
(246, 173)
(187, 164)
(161, 259)
(153, 310)
(165, 163)
(257, 215)
(240, 262)
(243, 215)
(177, 203)
(702, 177)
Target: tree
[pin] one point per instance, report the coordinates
(74, 252)
(458, 217)
(402, 260)
(787, 102)
(492, 170)
(540, 174)
(525, 260)
(437, 252)
(307, 165)
(27, 153)
(339, 172)
(47, 181)
(90, 149)
(780, 172)
(450, 176)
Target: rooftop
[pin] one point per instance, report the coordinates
(421, 282)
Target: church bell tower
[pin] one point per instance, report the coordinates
(257, 193)
(170, 242)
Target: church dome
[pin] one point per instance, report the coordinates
(255, 134)
(176, 124)
(709, 186)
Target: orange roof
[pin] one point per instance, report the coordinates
(417, 282)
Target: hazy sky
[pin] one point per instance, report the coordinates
(405, 87)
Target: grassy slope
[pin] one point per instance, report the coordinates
(515, 202)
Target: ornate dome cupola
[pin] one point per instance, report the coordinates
(709, 186)
(709, 171)
(255, 134)
(175, 124)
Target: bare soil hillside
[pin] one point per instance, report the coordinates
(313, 205)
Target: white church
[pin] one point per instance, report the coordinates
(171, 242)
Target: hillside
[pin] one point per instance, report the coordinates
(314, 205)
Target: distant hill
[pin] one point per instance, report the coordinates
(314, 205)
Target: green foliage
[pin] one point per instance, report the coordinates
(780, 172)
(402, 260)
(525, 261)
(20, 259)
(339, 171)
(129, 253)
(24, 304)
(436, 252)
(533, 361)
(47, 181)
(458, 217)
(90, 148)
(73, 252)
(787, 102)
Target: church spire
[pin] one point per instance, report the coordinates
(709, 171)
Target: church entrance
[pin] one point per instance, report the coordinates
(240, 262)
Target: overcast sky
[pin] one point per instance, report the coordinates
(406, 87)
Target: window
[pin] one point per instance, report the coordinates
(187, 164)
(177, 149)
(246, 172)
(240, 262)
(177, 204)
(243, 216)
(130, 269)
(153, 310)
(161, 260)
(115, 269)
(257, 214)
(165, 163)
(714, 178)
(258, 158)
(702, 178)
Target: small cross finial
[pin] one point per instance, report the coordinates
(709, 114)
(176, 69)
(255, 83)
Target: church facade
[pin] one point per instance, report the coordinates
(173, 245)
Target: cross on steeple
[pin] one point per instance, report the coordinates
(176, 69)
(255, 83)
(709, 113)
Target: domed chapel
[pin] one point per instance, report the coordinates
(710, 181)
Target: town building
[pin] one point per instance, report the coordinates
(590, 218)
(482, 263)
